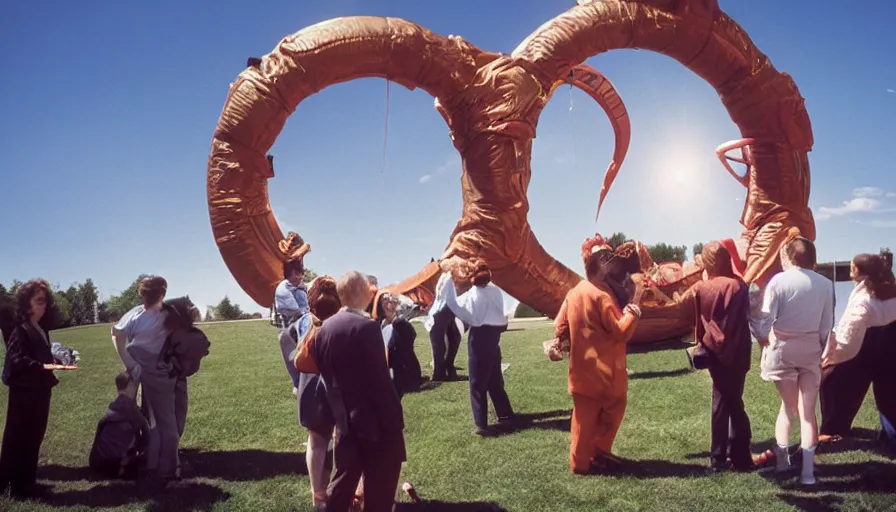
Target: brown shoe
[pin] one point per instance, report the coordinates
(825, 439)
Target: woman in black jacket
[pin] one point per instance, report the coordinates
(28, 372)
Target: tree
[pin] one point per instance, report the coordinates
(617, 239)
(226, 310)
(84, 302)
(102, 313)
(209, 314)
(309, 275)
(664, 252)
(526, 311)
(698, 249)
(127, 300)
(63, 308)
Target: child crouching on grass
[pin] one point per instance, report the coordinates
(121, 434)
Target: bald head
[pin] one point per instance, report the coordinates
(353, 290)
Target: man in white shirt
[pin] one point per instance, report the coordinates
(798, 315)
(444, 336)
(482, 308)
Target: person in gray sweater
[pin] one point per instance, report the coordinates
(121, 434)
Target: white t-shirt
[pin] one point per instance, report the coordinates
(477, 307)
(145, 335)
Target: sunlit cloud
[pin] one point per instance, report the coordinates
(891, 91)
(425, 178)
(867, 192)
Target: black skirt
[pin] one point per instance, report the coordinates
(314, 410)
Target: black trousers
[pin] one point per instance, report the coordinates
(730, 424)
(27, 413)
(444, 352)
(844, 386)
(379, 462)
(484, 352)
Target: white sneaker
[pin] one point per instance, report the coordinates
(808, 474)
(295, 391)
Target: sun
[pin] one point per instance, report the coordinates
(680, 176)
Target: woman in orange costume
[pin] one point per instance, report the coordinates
(598, 322)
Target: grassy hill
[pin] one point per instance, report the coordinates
(245, 453)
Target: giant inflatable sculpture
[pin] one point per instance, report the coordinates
(491, 103)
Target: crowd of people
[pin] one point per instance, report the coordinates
(159, 348)
(349, 352)
(802, 352)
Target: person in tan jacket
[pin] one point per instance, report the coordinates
(598, 327)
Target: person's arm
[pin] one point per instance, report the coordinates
(561, 322)
(120, 336)
(761, 324)
(303, 360)
(138, 421)
(462, 306)
(847, 339)
(17, 355)
(621, 324)
(285, 303)
(699, 329)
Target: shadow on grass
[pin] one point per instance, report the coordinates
(660, 374)
(644, 469)
(859, 440)
(234, 466)
(186, 496)
(658, 346)
(857, 477)
(244, 465)
(443, 506)
(550, 420)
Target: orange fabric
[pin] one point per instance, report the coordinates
(598, 333)
(303, 360)
(594, 427)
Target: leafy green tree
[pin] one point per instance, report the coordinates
(227, 310)
(63, 308)
(617, 239)
(86, 311)
(526, 311)
(309, 275)
(209, 314)
(664, 252)
(118, 305)
(698, 249)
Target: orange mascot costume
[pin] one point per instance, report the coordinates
(597, 330)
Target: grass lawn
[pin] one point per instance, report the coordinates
(244, 444)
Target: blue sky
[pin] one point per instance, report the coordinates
(109, 107)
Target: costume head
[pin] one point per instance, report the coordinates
(604, 266)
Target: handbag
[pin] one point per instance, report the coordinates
(698, 356)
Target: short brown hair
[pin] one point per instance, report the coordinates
(152, 290)
(323, 299)
(352, 287)
(801, 252)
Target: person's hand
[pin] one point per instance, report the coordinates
(763, 343)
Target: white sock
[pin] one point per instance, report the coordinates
(808, 474)
(782, 457)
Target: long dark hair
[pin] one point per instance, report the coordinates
(27, 292)
(878, 275)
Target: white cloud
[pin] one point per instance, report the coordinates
(854, 205)
(891, 194)
(452, 163)
(867, 192)
(891, 91)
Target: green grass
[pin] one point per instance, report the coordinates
(246, 453)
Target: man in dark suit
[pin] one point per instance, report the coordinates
(350, 354)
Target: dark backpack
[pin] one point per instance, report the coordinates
(184, 350)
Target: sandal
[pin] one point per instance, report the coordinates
(825, 439)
